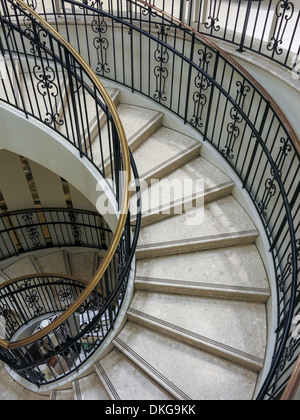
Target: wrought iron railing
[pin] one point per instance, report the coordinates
(268, 27)
(30, 304)
(34, 229)
(45, 78)
(140, 47)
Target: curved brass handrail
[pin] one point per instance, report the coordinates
(126, 173)
(265, 94)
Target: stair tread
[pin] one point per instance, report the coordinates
(221, 217)
(187, 372)
(240, 267)
(89, 388)
(162, 146)
(126, 381)
(54, 262)
(22, 267)
(83, 264)
(240, 326)
(12, 390)
(134, 119)
(62, 395)
(190, 180)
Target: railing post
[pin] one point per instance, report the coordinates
(246, 21)
(74, 106)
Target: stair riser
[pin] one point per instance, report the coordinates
(218, 293)
(187, 204)
(170, 166)
(180, 247)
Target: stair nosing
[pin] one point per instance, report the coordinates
(251, 293)
(186, 152)
(217, 348)
(150, 370)
(199, 243)
(106, 382)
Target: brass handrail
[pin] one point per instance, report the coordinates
(293, 384)
(126, 173)
(262, 90)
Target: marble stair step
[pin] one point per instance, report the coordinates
(139, 123)
(62, 395)
(221, 223)
(91, 117)
(232, 273)
(184, 371)
(54, 262)
(12, 390)
(123, 380)
(191, 185)
(163, 152)
(23, 267)
(230, 329)
(89, 388)
(83, 265)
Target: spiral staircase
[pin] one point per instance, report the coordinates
(197, 324)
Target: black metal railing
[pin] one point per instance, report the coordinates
(170, 63)
(45, 78)
(270, 28)
(33, 229)
(29, 304)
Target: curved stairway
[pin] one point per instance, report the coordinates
(197, 324)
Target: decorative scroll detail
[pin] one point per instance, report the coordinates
(284, 13)
(75, 227)
(213, 18)
(288, 269)
(233, 130)
(48, 90)
(270, 184)
(161, 56)
(100, 42)
(32, 230)
(202, 83)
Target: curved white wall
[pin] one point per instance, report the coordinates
(28, 137)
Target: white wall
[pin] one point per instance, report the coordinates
(29, 138)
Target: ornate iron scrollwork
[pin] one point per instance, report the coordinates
(233, 130)
(270, 184)
(32, 230)
(284, 12)
(100, 42)
(202, 83)
(161, 56)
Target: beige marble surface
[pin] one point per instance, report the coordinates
(201, 375)
(90, 388)
(129, 381)
(237, 266)
(240, 325)
(219, 217)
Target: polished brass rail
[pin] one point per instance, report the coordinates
(126, 174)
